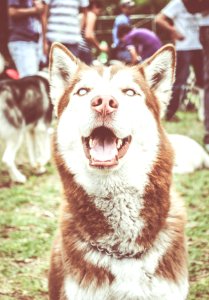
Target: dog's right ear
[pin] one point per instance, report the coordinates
(62, 65)
(159, 72)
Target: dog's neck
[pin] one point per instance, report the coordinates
(125, 222)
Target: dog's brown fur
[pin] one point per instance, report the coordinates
(81, 221)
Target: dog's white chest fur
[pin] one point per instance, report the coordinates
(122, 214)
(134, 279)
(132, 282)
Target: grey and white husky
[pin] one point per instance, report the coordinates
(25, 113)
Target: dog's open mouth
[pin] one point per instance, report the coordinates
(103, 148)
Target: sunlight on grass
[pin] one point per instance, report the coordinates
(194, 188)
(28, 221)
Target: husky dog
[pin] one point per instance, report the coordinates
(121, 229)
(25, 112)
(2, 63)
(189, 155)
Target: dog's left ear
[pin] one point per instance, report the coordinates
(62, 65)
(159, 72)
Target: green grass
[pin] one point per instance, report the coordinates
(194, 188)
(28, 220)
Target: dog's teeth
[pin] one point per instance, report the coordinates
(91, 143)
(119, 143)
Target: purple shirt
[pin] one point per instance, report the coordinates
(145, 41)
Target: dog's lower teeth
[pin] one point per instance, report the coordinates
(119, 143)
(91, 143)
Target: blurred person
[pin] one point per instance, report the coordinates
(184, 31)
(89, 39)
(3, 27)
(24, 34)
(62, 24)
(141, 42)
(201, 9)
(204, 39)
(119, 50)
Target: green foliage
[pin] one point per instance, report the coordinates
(151, 2)
(142, 6)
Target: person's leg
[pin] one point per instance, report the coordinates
(182, 73)
(25, 56)
(204, 38)
(73, 48)
(85, 56)
(123, 55)
(197, 63)
(43, 58)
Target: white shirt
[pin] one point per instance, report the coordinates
(63, 21)
(185, 23)
(204, 20)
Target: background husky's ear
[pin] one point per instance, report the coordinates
(62, 65)
(159, 72)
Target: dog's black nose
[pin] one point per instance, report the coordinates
(104, 105)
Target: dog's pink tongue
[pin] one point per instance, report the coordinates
(105, 150)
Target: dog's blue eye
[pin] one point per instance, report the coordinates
(82, 91)
(129, 92)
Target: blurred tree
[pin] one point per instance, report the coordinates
(153, 6)
(111, 7)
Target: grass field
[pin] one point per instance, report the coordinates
(28, 218)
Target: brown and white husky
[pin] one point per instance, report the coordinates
(121, 233)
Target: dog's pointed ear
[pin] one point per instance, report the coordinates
(159, 72)
(62, 65)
